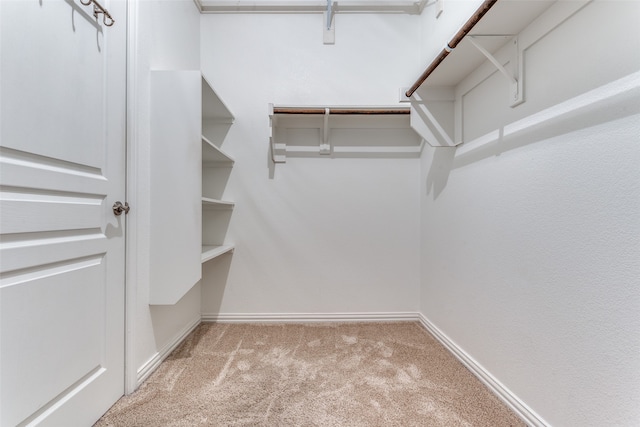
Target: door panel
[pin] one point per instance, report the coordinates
(62, 158)
(55, 335)
(56, 53)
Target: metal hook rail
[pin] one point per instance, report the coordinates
(107, 19)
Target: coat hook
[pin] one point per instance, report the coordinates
(107, 19)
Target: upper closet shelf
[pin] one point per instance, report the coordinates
(413, 7)
(211, 154)
(492, 41)
(341, 131)
(353, 110)
(494, 24)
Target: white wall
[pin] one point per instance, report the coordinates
(167, 37)
(322, 236)
(531, 241)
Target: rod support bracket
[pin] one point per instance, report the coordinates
(325, 147)
(329, 29)
(514, 76)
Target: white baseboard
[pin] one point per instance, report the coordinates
(310, 317)
(152, 364)
(510, 399)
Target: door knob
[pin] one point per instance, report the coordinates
(118, 208)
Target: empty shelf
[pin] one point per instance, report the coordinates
(211, 252)
(212, 154)
(213, 107)
(215, 203)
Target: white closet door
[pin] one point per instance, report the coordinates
(62, 158)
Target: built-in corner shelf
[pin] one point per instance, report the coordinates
(342, 131)
(188, 122)
(211, 252)
(216, 169)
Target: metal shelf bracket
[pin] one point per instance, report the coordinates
(329, 32)
(514, 77)
(325, 147)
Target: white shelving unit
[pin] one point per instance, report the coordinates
(188, 121)
(216, 168)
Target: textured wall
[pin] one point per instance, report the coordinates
(322, 235)
(531, 241)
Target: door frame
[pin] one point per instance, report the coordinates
(131, 191)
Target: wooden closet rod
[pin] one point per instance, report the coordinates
(466, 28)
(344, 111)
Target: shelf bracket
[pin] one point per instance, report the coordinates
(329, 30)
(278, 150)
(325, 147)
(516, 95)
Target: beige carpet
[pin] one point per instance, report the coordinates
(366, 374)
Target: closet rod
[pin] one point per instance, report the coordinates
(466, 28)
(343, 111)
(98, 9)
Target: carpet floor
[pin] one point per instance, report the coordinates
(366, 374)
